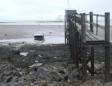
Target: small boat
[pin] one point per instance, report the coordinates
(39, 37)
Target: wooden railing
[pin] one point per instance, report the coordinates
(79, 37)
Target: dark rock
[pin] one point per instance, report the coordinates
(9, 79)
(73, 75)
(50, 73)
(92, 83)
(108, 84)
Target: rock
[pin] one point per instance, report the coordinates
(50, 73)
(92, 83)
(6, 72)
(108, 84)
(52, 83)
(23, 53)
(20, 83)
(1, 84)
(41, 83)
(36, 65)
(99, 68)
(58, 84)
(9, 79)
(74, 74)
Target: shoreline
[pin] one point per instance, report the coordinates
(25, 33)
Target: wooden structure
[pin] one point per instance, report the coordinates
(80, 35)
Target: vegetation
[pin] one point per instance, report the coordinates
(97, 62)
(72, 65)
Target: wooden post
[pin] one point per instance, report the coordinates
(92, 61)
(91, 21)
(67, 14)
(65, 27)
(96, 24)
(107, 47)
(83, 39)
(83, 27)
(92, 48)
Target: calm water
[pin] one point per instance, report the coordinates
(33, 23)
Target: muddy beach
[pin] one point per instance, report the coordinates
(27, 31)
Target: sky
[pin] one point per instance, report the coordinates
(48, 9)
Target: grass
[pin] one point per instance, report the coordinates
(97, 62)
(71, 65)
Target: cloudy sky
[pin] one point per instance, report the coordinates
(48, 9)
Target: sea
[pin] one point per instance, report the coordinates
(33, 23)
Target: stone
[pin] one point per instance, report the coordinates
(74, 74)
(9, 79)
(50, 73)
(108, 84)
(36, 65)
(92, 83)
(20, 83)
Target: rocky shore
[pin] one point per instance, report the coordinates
(44, 65)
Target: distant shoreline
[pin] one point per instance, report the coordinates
(33, 23)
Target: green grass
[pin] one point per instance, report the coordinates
(71, 65)
(97, 62)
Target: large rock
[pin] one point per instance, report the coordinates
(20, 83)
(108, 84)
(92, 83)
(6, 72)
(50, 73)
(73, 75)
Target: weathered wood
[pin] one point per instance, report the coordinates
(65, 28)
(92, 61)
(101, 42)
(78, 43)
(107, 48)
(83, 27)
(91, 21)
(83, 31)
(92, 48)
(100, 15)
(97, 25)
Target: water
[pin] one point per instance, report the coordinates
(32, 23)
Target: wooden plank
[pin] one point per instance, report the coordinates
(96, 15)
(99, 15)
(93, 36)
(101, 42)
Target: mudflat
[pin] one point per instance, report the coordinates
(27, 31)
